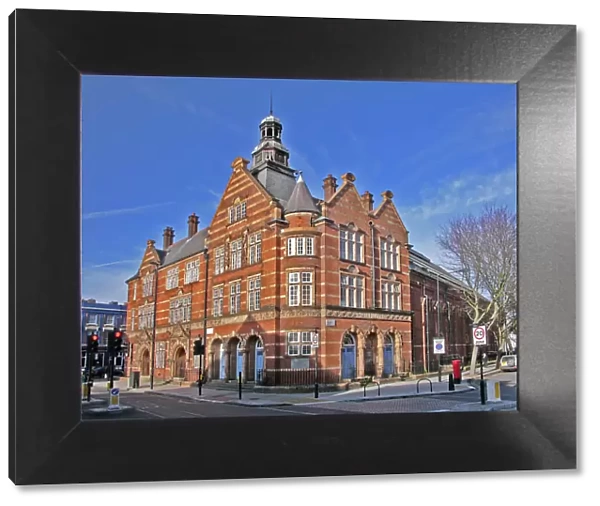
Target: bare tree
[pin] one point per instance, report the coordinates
(482, 251)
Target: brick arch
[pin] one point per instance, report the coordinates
(139, 362)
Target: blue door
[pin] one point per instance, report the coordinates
(258, 359)
(240, 362)
(388, 356)
(348, 357)
(222, 363)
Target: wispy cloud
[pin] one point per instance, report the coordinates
(300, 162)
(214, 193)
(106, 284)
(497, 125)
(110, 264)
(458, 194)
(118, 212)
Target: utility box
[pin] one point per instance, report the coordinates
(134, 379)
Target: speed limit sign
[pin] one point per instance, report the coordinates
(479, 335)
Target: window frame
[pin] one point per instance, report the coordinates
(355, 290)
(254, 293)
(218, 297)
(237, 295)
(235, 254)
(255, 248)
(296, 284)
(352, 245)
(172, 274)
(193, 266)
(307, 242)
(219, 260)
(180, 306)
(299, 341)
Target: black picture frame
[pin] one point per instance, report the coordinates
(50, 50)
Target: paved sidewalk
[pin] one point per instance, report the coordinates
(401, 389)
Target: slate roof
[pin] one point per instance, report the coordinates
(185, 247)
(178, 251)
(423, 264)
(301, 200)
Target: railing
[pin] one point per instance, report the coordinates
(296, 377)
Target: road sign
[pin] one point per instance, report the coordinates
(439, 346)
(113, 403)
(479, 335)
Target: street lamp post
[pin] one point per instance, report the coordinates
(204, 340)
(439, 364)
(316, 345)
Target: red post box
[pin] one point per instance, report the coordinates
(456, 369)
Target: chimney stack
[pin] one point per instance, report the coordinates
(168, 236)
(329, 186)
(367, 199)
(192, 224)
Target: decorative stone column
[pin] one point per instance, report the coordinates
(397, 339)
(360, 352)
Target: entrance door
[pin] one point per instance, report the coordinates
(222, 362)
(258, 359)
(370, 350)
(180, 364)
(146, 363)
(388, 356)
(240, 361)
(348, 357)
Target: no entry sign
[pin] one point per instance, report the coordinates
(479, 335)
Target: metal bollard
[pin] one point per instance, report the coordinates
(240, 385)
(451, 387)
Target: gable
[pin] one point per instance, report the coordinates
(241, 187)
(387, 211)
(346, 204)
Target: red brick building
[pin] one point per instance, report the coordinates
(276, 269)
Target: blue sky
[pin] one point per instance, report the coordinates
(154, 150)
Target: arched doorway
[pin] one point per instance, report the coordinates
(236, 358)
(371, 355)
(259, 359)
(146, 363)
(388, 355)
(255, 358)
(348, 357)
(179, 364)
(217, 366)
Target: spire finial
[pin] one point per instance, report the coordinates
(271, 103)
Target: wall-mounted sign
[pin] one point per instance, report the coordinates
(330, 323)
(439, 346)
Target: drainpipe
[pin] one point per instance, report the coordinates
(153, 359)
(373, 283)
(202, 357)
(427, 333)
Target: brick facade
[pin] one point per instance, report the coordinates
(276, 296)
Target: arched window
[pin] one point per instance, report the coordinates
(348, 340)
(387, 340)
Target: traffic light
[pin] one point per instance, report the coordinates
(117, 340)
(93, 343)
(198, 347)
